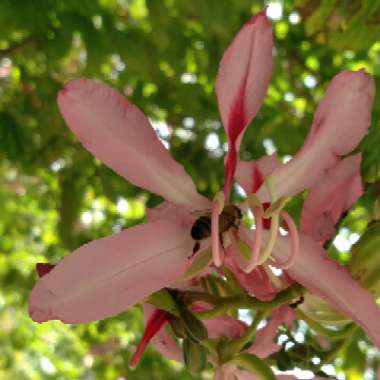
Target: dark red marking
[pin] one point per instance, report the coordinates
(158, 319)
(43, 268)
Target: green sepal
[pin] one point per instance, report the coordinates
(178, 327)
(194, 356)
(195, 329)
(164, 301)
(200, 262)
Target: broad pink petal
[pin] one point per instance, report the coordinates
(242, 83)
(264, 344)
(335, 193)
(332, 282)
(163, 342)
(117, 133)
(106, 276)
(250, 174)
(171, 212)
(341, 121)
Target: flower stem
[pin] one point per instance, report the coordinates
(228, 350)
(224, 304)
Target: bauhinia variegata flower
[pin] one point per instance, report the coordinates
(229, 266)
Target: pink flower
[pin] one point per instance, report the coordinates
(106, 276)
(109, 275)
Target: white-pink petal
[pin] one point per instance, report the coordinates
(109, 275)
(332, 282)
(117, 133)
(336, 192)
(342, 119)
(250, 174)
(171, 212)
(244, 75)
(241, 85)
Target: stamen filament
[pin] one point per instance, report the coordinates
(217, 208)
(294, 236)
(271, 191)
(257, 241)
(265, 254)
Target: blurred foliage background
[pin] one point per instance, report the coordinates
(164, 55)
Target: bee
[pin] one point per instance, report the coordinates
(229, 218)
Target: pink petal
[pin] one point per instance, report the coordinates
(332, 282)
(163, 342)
(107, 276)
(250, 174)
(242, 82)
(117, 133)
(335, 193)
(174, 213)
(341, 121)
(265, 344)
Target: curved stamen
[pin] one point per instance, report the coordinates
(257, 241)
(265, 254)
(293, 233)
(217, 208)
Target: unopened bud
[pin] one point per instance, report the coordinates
(178, 327)
(195, 329)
